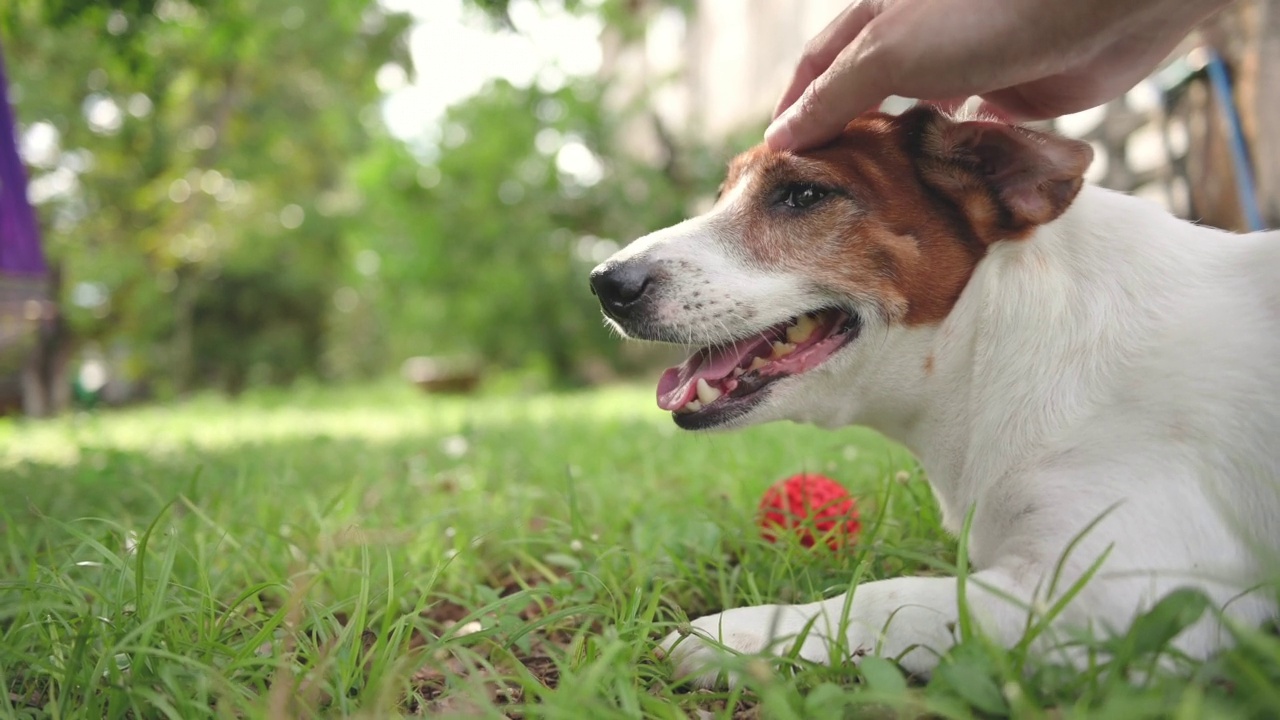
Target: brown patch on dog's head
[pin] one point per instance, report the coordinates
(899, 210)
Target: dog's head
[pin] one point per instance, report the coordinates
(792, 281)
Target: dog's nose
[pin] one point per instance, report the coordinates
(620, 285)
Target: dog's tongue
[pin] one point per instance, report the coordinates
(679, 384)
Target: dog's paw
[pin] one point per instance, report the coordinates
(699, 652)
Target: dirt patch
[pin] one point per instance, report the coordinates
(475, 686)
(708, 705)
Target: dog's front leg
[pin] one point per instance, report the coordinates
(911, 619)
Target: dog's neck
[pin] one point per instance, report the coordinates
(1027, 352)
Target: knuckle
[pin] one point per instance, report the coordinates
(810, 64)
(811, 104)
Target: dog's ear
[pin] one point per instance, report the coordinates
(1007, 178)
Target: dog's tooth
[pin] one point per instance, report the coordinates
(781, 350)
(692, 406)
(706, 393)
(802, 329)
(757, 363)
(737, 372)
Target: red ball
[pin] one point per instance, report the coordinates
(810, 505)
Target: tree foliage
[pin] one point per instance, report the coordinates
(198, 145)
(227, 207)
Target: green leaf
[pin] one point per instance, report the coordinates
(1177, 611)
(563, 560)
(824, 699)
(882, 675)
(972, 681)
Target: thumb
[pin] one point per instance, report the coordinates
(1000, 112)
(850, 86)
(822, 111)
(825, 48)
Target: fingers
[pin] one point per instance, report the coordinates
(823, 49)
(999, 112)
(985, 109)
(849, 87)
(1043, 99)
(949, 105)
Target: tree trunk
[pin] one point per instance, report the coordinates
(1259, 100)
(1248, 38)
(46, 387)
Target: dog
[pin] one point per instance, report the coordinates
(1076, 370)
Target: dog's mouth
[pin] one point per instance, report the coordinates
(719, 383)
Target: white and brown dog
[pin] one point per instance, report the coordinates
(1049, 351)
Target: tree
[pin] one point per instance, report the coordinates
(227, 207)
(193, 150)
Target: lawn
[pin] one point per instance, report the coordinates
(373, 552)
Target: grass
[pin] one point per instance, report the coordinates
(373, 553)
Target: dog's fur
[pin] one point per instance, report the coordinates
(1055, 354)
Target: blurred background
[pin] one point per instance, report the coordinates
(227, 194)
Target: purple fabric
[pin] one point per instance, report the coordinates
(19, 236)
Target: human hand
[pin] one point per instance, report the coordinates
(1027, 59)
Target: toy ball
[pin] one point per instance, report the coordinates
(814, 507)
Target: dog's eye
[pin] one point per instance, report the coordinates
(801, 196)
